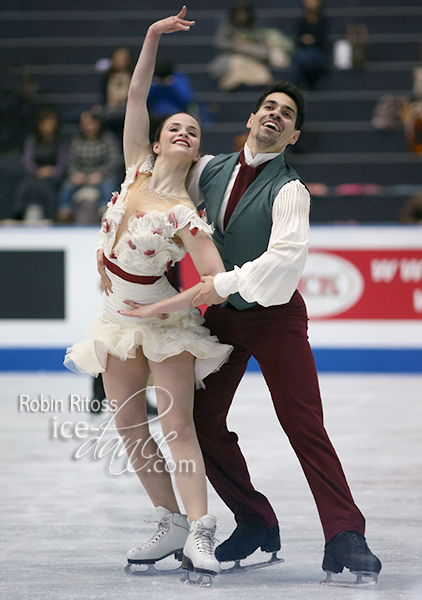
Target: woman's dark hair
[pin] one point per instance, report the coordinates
(43, 114)
(93, 114)
(242, 7)
(164, 69)
(288, 88)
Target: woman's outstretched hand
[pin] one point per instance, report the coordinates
(143, 311)
(172, 24)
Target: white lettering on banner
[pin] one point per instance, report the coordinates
(384, 269)
(417, 300)
(330, 284)
(411, 269)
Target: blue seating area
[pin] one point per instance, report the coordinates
(59, 43)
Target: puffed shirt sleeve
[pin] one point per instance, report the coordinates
(192, 180)
(272, 278)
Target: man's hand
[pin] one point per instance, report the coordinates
(207, 295)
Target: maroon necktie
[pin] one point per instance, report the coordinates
(244, 178)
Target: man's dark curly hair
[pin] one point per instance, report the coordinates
(288, 88)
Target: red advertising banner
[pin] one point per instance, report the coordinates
(363, 284)
(354, 284)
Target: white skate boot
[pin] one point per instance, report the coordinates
(198, 552)
(169, 538)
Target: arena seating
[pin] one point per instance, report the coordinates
(59, 43)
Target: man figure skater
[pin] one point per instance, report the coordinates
(260, 209)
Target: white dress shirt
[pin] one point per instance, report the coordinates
(271, 278)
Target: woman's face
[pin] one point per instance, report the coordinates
(312, 4)
(48, 126)
(180, 137)
(90, 126)
(242, 17)
(121, 59)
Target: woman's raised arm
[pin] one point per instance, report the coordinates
(136, 144)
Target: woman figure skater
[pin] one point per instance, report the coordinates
(147, 227)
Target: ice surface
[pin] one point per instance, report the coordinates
(66, 524)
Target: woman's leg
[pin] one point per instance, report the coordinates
(174, 381)
(125, 382)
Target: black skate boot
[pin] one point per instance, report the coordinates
(246, 538)
(349, 549)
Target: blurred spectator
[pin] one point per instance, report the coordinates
(246, 52)
(390, 112)
(93, 172)
(413, 127)
(357, 35)
(412, 210)
(350, 52)
(394, 111)
(115, 87)
(44, 163)
(312, 57)
(417, 82)
(413, 116)
(170, 92)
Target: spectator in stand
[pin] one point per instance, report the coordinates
(171, 92)
(93, 171)
(411, 212)
(115, 87)
(44, 163)
(246, 52)
(312, 56)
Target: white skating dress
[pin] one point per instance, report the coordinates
(146, 250)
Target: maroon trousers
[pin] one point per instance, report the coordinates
(277, 337)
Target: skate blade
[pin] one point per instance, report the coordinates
(149, 568)
(198, 579)
(362, 580)
(237, 567)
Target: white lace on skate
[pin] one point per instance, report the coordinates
(163, 528)
(204, 541)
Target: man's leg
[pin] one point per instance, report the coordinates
(282, 350)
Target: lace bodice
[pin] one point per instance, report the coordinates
(148, 247)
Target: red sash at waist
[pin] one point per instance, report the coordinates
(143, 279)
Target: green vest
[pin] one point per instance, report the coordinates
(248, 231)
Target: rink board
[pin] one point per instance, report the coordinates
(362, 286)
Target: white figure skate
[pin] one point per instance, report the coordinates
(170, 538)
(198, 552)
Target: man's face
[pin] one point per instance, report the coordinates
(272, 127)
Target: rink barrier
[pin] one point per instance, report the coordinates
(362, 286)
(328, 360)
